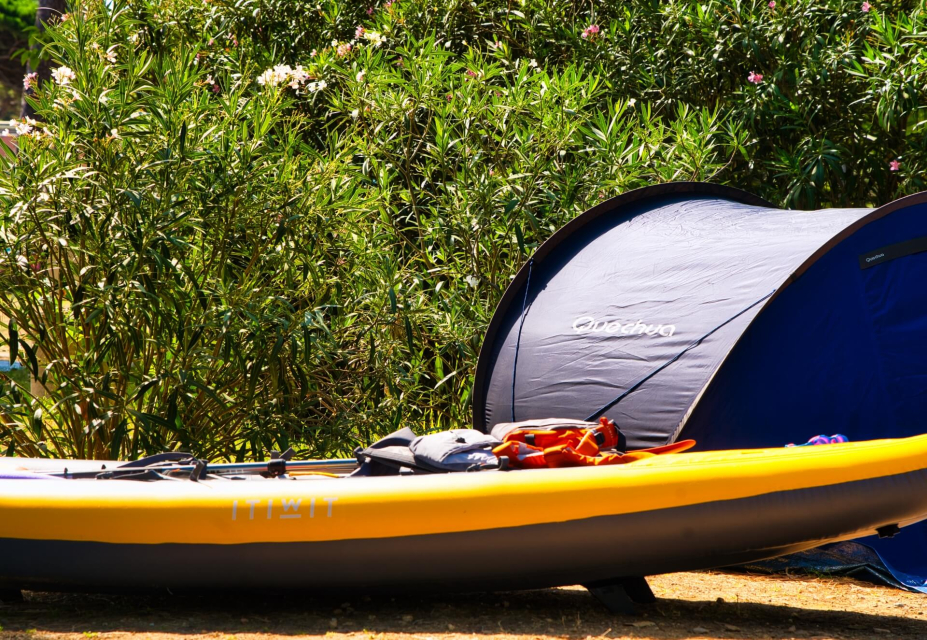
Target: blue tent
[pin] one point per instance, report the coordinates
(700, 311)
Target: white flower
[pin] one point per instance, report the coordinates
(533, 64)
(321, 84)
(472, 281)
(360, 75)
(5, 133)
(355, 114)
(280, 74)
(25, 127)
(210, 80)
(63, 75)
(298, 76)
(133, 38)
(375, 38)
(312, 87)
(114, 133)
(111, 55)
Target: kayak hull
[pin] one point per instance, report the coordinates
(695, 532)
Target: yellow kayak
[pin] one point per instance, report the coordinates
(474, 531)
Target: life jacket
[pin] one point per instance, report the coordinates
(443, 452)
(536, 444)
(550, 444)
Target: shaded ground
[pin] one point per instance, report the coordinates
(690, 605)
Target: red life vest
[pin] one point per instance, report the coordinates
(574, 447)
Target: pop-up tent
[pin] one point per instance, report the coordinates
(700, 311)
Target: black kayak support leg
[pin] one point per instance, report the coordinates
(621, 595)
(9, 596)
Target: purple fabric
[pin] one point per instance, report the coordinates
(23, 475)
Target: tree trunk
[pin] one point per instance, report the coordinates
(48, 12)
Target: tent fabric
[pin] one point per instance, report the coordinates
(716, 316)
(850, 559)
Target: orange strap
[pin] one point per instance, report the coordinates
(574, 448)
(604, 436)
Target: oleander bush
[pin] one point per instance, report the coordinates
(245, 225)
(17, 18)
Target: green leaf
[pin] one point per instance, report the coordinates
(14, 342)
(33, 361)
(37, 424)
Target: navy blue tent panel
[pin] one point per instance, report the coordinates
(842, 349)
(704, 312)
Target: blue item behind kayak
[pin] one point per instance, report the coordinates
(697, 311)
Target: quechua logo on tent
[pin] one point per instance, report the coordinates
(589, 324)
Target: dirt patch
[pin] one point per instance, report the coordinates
(690, 605)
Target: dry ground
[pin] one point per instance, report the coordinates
(690, 605)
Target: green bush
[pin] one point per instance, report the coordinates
(251, 225)
(16, 18)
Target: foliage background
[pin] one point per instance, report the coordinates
(16, 18)
(213, 264)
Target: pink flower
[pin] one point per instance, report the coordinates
(590, 31)
(343, 49)
(211, 42)
(30, 81)
(449, 97)
(772, 4)
(894, 165)
(755, 78)
(359, 33)
(215, 88)
(369, 11)
(471, 74)
(866, 7)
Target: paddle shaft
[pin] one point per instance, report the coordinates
(221, 469)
